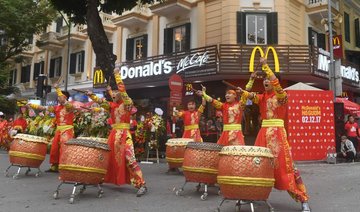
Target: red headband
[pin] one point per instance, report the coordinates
(232, 92)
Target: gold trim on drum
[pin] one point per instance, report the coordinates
(82, 169)
(254, 151)
(31, 138)
(174, 160)
(101, 140)
(178, 141)
(200, 170)
(246, 181)
(272, 123)
(26, 155)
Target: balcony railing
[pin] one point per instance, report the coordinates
(106, 18)
(48, 36)
(316, 3)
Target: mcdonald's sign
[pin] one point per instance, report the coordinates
(337, 46)
(98, 78)
(265, 55)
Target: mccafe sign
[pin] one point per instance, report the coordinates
(165, 66)
(347, 72)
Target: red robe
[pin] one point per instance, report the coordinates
(191, 120)
(232, 114)
(20, 124)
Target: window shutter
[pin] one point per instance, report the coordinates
(59, 23)
(59, 74)
(168, 40)
(52, 68)
(42, 63)
(310, 42)
(27, 72)
(357, 33)
(15, 76)
(187, 36)
(321, 40)
(129, 49)
(36, 70)
(145, 46)
(72, 63)
(347, 27)
(112, 47)
(82, 61)
(241, 27)
(272, 28)
(22, 78)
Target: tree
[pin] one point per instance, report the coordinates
(87, 12)
(19, 21)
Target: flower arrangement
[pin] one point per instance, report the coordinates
(88, 124)
(157, 130)
(139, 140)
(43, 124)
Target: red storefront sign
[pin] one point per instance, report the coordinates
(175, 98)
(337, 46)
(310, 125)
(175, 83)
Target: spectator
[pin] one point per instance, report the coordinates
(351, 128)
(347, 149)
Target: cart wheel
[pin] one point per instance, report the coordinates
(179, 192)
(56, 195)
(219, 192)
(71, 200)
(204, 196)
(217, 209)
(6, 174)
(271, 210)
(16, 176)
(38, 174)
(237, 208)
(100, 194)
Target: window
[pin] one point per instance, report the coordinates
(77, 62)
(55, 67)
(177, 39)
(12, 78)
(257, 28)
(357, 33)
(316, 39)
(38, 69)
(59, 24)
(347, 27)
(136, 48)
(25, 74)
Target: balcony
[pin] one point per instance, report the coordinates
(318, 8)
(171, 8)
(49, 41)
(138, 16)
(77, 34)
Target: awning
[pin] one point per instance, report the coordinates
(350, 107)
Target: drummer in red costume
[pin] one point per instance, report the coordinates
(273, 135)
(123, 167)
(19, 123)
(232, 111)
(64, 113)
(191, 119)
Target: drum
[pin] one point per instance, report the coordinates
(175, 150)
(246, 172)
(201, 162)
(84, 160)
(28, 150)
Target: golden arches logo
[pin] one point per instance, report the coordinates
(98, 77)
(336, 41)
(265, 55)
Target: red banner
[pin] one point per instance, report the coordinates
(310, 124)
(337, 46)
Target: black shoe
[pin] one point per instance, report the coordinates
(142, 190)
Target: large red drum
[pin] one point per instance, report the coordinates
(246, 172)
(201, 162)
(84, 160)
(28, 150)
(175, 150)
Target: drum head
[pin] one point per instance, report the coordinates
(32, 138)
(179, 141)
(247, 151)
(81, 141)
(204, 146)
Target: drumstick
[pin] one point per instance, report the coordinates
(229, 84)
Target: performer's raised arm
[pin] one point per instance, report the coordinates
(101, 101)
(202, 106)
(217, 104)
(121, 87)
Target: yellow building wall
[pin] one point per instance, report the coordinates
(353, 14)
(213, 22)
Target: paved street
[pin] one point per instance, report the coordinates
(331, 188)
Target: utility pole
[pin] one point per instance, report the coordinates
(331, 50)
(68, 24)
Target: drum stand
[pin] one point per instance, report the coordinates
(16, 175)
(239, 203)
(179, 191)
(82, 190)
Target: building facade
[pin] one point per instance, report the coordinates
(205, 41)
